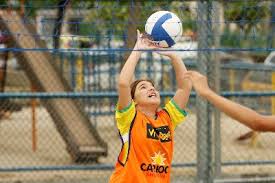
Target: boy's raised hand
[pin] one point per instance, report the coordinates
(143, 42)
(166, 51)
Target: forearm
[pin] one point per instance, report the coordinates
(236, 111)
(182, 94)
(127, 72)
(179, 69)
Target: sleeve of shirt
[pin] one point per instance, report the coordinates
(176, 114)
(125, 117)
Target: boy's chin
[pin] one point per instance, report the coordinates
(155, 102)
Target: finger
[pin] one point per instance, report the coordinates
(160, 50)
(188, 72)
(138, 34)
(154, 43)
(188, 78)
(196, 73)
(188, 75)
(192, 73)
(151, 46)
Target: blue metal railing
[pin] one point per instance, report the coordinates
(74, 95)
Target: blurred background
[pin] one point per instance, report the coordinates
(59, 63)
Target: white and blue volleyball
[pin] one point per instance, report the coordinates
(164, 27)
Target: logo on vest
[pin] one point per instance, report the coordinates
(157, 166)
(160, 133)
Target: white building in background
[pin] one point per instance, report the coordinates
(45, 21)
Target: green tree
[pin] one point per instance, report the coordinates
(114, 15)
(246, 14)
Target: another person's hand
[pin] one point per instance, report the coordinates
(199, 82)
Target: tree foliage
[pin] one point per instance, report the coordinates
(113, 16)
(246, 14)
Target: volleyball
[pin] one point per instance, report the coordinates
(164, 27)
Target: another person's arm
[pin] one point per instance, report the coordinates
(236, 111)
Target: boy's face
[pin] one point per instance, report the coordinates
(146, 93)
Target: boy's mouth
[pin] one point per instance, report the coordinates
(152, 95)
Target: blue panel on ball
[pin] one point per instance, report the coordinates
(159, 33)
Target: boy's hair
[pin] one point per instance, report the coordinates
(135, 83)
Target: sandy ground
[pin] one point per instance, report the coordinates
(16, 149)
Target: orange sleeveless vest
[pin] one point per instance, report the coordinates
(148, 157)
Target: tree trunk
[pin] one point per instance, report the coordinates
(134, 19)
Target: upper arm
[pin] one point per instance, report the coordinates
(124, 96)
(176, 114)
(266, 123)
(124, 118)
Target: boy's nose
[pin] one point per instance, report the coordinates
(152, 89)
